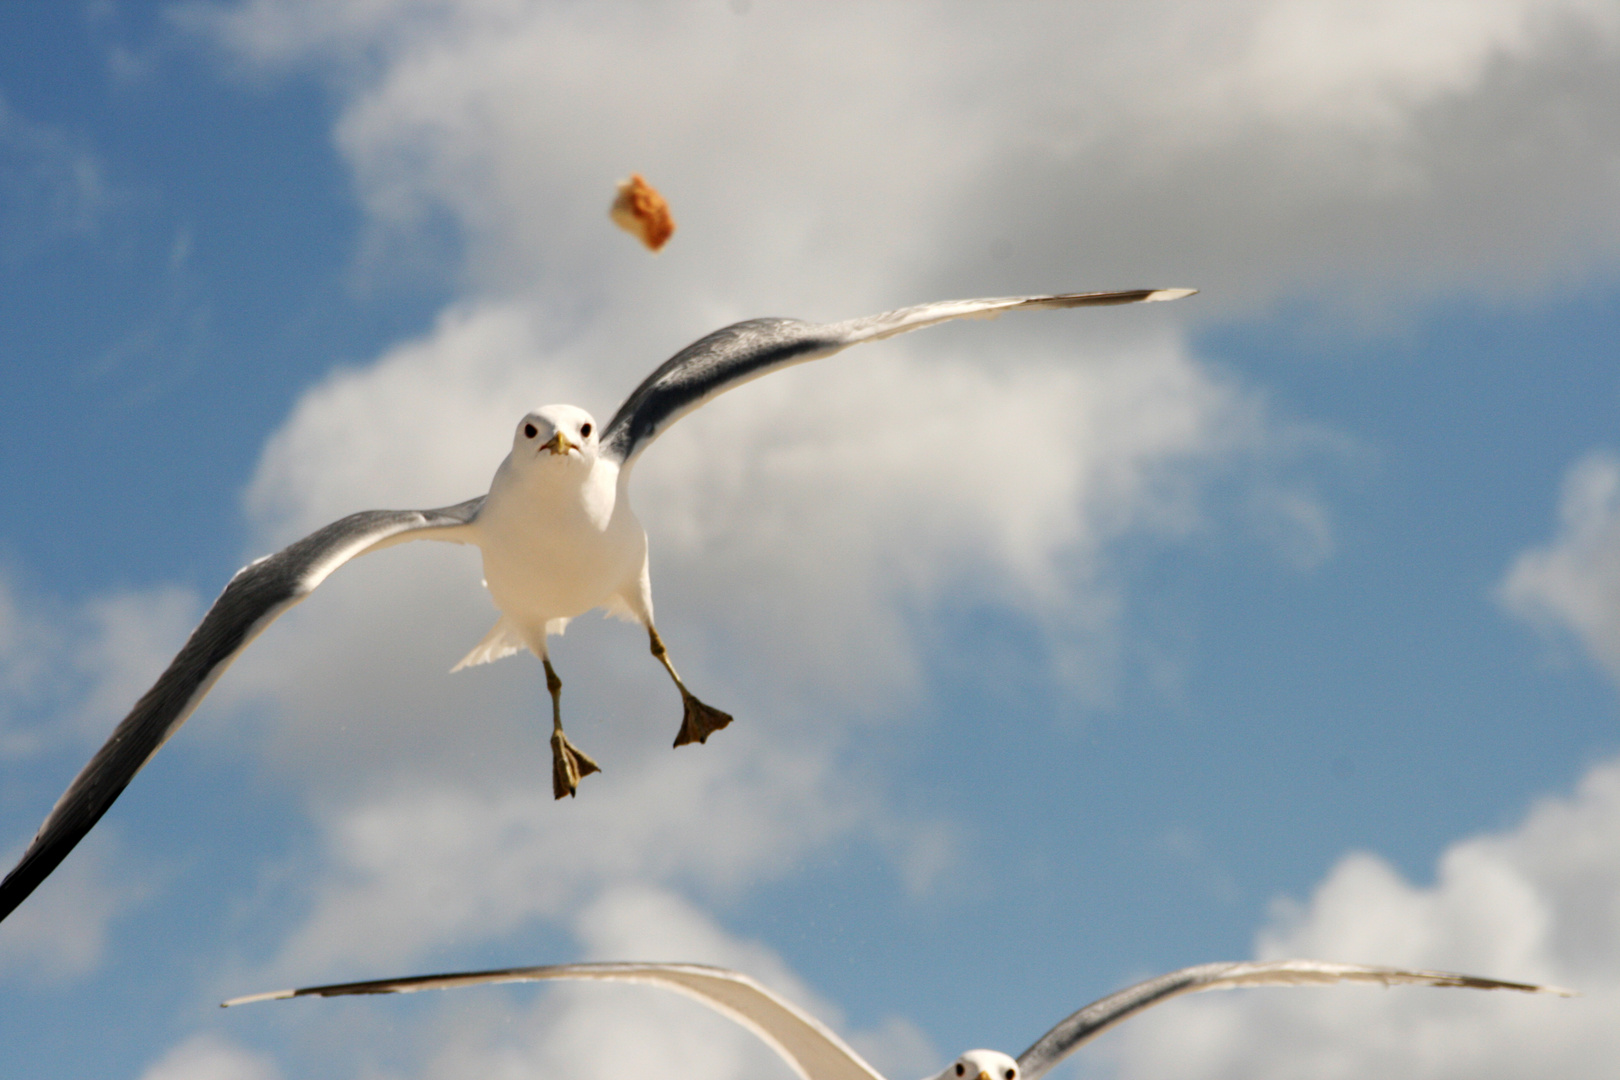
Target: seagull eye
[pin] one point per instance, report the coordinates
(1012, 1074)
(585, 431)
(530, 430)
(961, 1069)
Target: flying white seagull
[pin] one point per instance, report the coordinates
(558, 538)
(815, 1053)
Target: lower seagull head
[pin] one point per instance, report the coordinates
(981, 1065)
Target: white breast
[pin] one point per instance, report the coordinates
(557, 542)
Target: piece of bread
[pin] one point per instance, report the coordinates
(640, 211)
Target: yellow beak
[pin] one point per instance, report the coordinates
(558, 444)
(984, 1075)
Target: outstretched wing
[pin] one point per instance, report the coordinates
(258, 593)
(746, 350)
(1101, 1015)
(812, 1051)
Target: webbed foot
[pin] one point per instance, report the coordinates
(568, 765)
(700, 721)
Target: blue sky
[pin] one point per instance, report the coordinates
(1066, 649)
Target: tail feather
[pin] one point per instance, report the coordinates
(503, 639)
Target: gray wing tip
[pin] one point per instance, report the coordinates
(1085, 299)
(246, 999)
(1263, 973)
(1559, 991)
(1528, 988)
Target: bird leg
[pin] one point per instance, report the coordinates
(700, 720)
(568, 763)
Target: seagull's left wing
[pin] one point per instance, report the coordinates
(812, 1051)
(254, 598)
(743, 351)
(1103, 1014)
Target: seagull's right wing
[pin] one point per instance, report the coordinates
(809, 1048)
(1103, 1014)
(258, 593)
(744, 351)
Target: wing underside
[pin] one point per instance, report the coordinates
(744, 351)
(253, 599)
(809, 1048)
(1092, 1020)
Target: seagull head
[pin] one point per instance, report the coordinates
(555, 431)
(981, 1065)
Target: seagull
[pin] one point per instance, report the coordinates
(814, 1052)
(557, 534)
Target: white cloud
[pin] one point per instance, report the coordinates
(1572, 583)
(1262, 150)
(409, 873)
(810, 516)
(1539, 902)
(211, 1057)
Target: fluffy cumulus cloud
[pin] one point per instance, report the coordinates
(1261, 149)
(1572, 583)
(209, 1057)
(1539, 902)
(412, 872)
